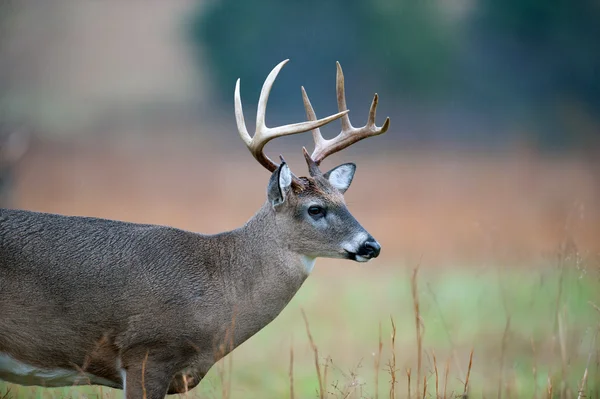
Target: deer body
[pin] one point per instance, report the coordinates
(168, 286)
(149, 309)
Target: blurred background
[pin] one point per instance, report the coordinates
(124, 110)
(120, 108)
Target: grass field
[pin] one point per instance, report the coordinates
(481, 225)
(531, 330)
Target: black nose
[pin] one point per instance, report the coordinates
(371, 248)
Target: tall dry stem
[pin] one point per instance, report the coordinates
(583, 384)
(437, 385)
(185, 384)
(446, 373)
(377, 363)
(581, 394)
(408, 373)
(549, 388)
(563, 255)
(418, 322)
(535, 375)
(446, 329)
(327, 361)
(392, 363)
(502, 354)
(316, 352)
(220, 350)
(562, 339)
(230, 360)
(466, 389)
(144, 394)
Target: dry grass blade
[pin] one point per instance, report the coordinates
(292, 369)
(316, 352)
(446, 373)
(466, 389)
(437, 384)
(5, 395)
(562, 339)
(144, 394)
(534, 369)
(231, 347)
(377, 363)
(225, 367)
(558, 328)
(408, 372)
(424, 386)
(327, 361)
(185, 385)
(581, 394)
(549, 388)
(583, 384)
(446, 329)
(415, 295)
(392, 363)
(502, 354)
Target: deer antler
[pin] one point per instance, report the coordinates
(265, 134)
(349, 134)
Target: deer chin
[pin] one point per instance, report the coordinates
(356, 257)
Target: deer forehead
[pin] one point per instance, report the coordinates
(323, 191)
(332, 200)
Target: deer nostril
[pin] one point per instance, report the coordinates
(372, 248)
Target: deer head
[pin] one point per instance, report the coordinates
(310, 212)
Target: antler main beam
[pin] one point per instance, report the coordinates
(349, 134)
(265, 134)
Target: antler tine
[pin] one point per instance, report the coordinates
(239, 115)
(340, 89)
(311, 116)
(263, 133)
(349, 134)
(313, 167)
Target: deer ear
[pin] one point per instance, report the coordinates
(341, 176)
(281, 181)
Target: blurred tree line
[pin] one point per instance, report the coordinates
(529, 65)
(6, 9)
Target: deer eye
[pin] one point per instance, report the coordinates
(316, 211)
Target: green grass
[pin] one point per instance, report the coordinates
(461, 309)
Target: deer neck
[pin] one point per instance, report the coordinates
(269, 249)
(263, 269)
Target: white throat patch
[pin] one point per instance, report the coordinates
(308, 263)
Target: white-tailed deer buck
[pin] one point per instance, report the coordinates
(149, 309)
